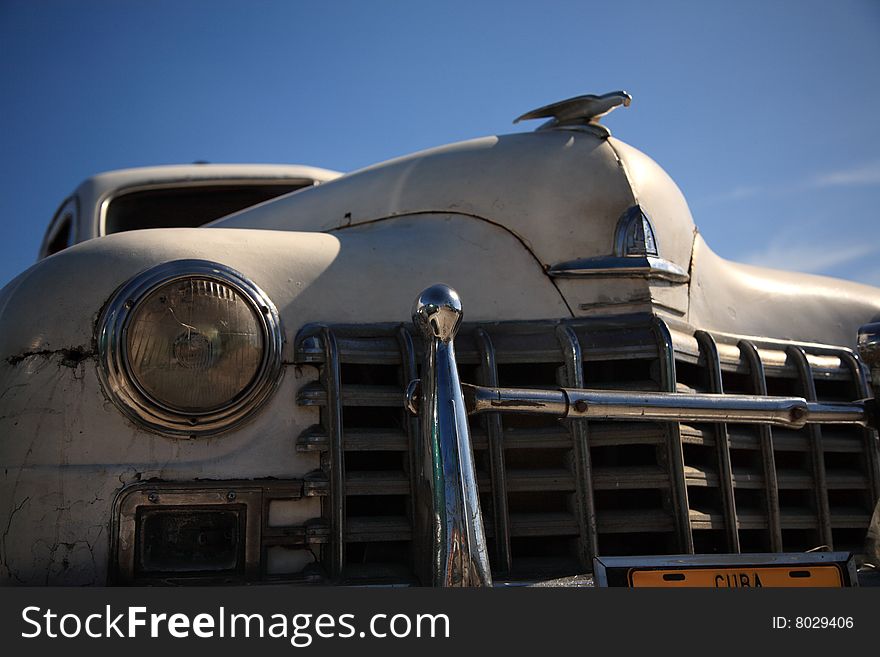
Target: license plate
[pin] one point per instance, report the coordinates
(728, 571)
(724, 578)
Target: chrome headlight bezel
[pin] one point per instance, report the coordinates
(121, 385)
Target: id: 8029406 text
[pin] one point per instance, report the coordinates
(813, 623)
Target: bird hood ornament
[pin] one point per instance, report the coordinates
(579, 112)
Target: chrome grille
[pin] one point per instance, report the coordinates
(554, 494)
(794, 490)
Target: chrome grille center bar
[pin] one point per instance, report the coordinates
(458, 541)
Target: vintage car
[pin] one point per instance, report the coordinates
(290, 394)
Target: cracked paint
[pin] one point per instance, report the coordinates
(66, 453)
(3, 549)
(70, 357)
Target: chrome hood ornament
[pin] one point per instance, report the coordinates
(579, 112)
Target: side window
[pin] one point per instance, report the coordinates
(62, 230)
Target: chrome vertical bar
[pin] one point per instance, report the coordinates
(574, 377)
(459, 553)
(336, 499)
(675, 456)
(771, 487)
(805, 374)
(495, 435)
(709, 350)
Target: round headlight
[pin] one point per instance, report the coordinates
(189, 347)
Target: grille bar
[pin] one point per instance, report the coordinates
(673, 433)
(869, 438)
(808, 389)
(709, 351)
(333, 409)
(414, 445)
(315, 439)
(495, 439)
(752, 357)
(786, 479)
(573, 374)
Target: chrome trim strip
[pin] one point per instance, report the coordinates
(119, 384)
(791, 412)
(459, 551)
(621, 266)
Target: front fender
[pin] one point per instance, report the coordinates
(67, 451)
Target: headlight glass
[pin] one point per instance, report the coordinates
(190, 348)
(194, 345)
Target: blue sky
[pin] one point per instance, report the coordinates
(767, 114)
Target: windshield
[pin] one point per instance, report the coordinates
(187, 207)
